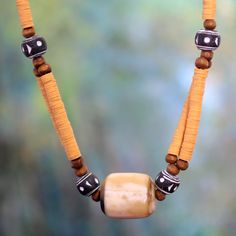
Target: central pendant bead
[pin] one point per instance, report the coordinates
(127, 195)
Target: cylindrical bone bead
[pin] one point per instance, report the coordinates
(128, 195)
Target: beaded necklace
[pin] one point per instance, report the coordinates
(126, 195)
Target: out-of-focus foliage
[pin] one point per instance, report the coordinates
(123, 68)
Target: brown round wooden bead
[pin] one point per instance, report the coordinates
(96, 196)
(36, 73)
(209, 24)
(44, 69)
(202, 63)
(159, 195)
(82, 171)
(171, 158)
(210, 64)
(172, 169)
(207, 54)
(182, 165)
(77, 163)
(38, 61)
(28, 32)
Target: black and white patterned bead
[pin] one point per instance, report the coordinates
(166, 182)
(34, 46)
(207, 40)
(88, 184)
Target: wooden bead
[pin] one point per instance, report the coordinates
(171, 158)
(28, 32)
(44, 69)
(172, 169)
(182, 165)
(159, 195)
(77, 163)
(38, 61)
(210, 24)
(202, 63)
(96, 196)
(127, 195)
(36, 73)
(207, 54)
(82, 171)
(210, 64)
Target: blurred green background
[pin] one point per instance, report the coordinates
(124, 68)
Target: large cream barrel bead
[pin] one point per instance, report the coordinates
(128, 195)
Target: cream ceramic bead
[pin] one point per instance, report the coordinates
(127, 195)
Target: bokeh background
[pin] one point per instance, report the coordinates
(124, 69)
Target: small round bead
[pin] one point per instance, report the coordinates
(28, 32)
(88, 184)
(160, 196)
(44, 69)
(77, 163)
(210, 64)
(202, 63)
(167, 183)
(171, 158)
(182, 165)
(96, 196)
(207, 54)
(82, 171)
(172, 169)
(38, 61)
(36, 73)
(209, 24)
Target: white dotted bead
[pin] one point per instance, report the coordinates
(39, 43)
(162, 180)
(207, 40)
(81, 189)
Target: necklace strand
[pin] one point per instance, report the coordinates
(182, 146)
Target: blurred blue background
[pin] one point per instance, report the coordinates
(124, 69)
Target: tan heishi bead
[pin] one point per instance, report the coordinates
(127, 195)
